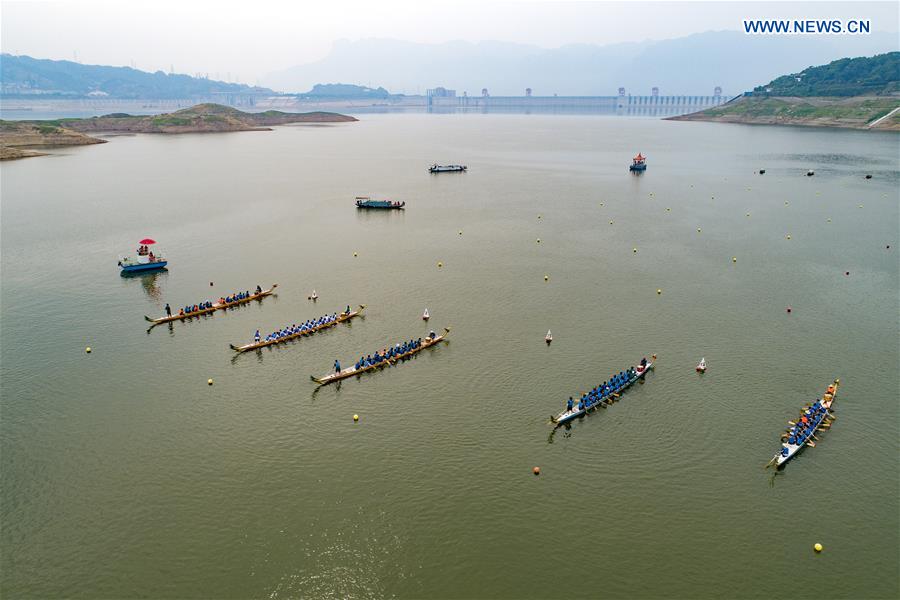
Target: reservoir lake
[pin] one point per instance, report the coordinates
(125, 475)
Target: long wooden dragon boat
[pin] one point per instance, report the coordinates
(813, 418)
(351, 371)
(342, 317)
(216, 306)
(604, 398)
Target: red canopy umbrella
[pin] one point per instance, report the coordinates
(146, 242)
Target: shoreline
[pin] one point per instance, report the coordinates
(861, 113)
(17, 136)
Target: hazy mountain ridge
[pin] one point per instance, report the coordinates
(689, 65)
(24, 76)
(873, 75)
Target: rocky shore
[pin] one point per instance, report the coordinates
(15, 136)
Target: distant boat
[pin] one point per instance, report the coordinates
(314, 296)
(701, 367)
(145, 260)
(436, 168)
(549, 337)
(425, 315)
(366, 202)
(638, 163)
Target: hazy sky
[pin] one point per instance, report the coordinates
(245, 40)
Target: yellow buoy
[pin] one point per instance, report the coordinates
(634, 250)
(460, 232)
(355, 254)
(651, 193)
(658, 291)
(788, 236)
(818, 547)
(601, 204)
(209, 381)
(829, 220)
(748, 214)
(668, 209)
(88, 349)
(860, 205)
(610, 222)
(546, 278)
(539, 216)
(734, 259)
(785, 202)
(356, 417)
(698, 230)
(539, 240)
(440, 264)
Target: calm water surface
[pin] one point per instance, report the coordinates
(125, 475)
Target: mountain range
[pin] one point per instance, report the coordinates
(24, 76)
(691, 65)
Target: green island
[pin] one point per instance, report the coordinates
(16, 137)
(856, 93)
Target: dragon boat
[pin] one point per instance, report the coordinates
(216, 306)
(606, 396)
(341, 318)
(813, 418)
(428, 342)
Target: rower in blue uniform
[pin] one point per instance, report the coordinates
(256, 337)
(337, 366)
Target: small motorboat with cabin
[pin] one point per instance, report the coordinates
(549, 337)
(367, 202)
(436, 168)
(701, 366)
(638, 164)
(145, 259)
(425, 315)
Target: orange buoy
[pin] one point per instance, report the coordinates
(536, 470)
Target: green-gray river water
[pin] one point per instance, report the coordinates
(125, 475)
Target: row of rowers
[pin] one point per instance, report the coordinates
(305, 327)
(387, 353)
(206, 305)
(605, 389)
(806, 426)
